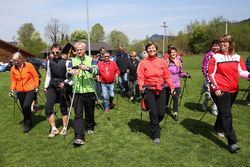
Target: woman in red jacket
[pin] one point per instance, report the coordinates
(25, 80)
(223, 70)
(151, 75)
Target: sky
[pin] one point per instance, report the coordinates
(135, 18)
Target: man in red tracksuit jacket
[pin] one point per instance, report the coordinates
(108, 72)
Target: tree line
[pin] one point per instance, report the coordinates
(195, 39)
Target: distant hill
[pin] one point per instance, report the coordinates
(241, 22)
(157, 36)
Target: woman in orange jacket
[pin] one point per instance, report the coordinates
(152, 73)
(25, 80)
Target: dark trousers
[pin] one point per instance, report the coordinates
(86, 100)
(224, 119)
(26, 100)
(132, 85)
(175, 98)
(53, 96)
(156, 105)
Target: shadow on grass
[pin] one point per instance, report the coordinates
(204, 129)
(134, 125)
(193, 106)
(36, 119)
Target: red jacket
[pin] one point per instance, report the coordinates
(153, 71)
(24, 79)
(223, 72)
(107, 70)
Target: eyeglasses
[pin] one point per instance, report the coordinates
(56, 52)
(106, 56)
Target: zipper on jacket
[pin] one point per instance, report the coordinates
(21, 78)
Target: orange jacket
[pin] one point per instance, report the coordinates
(25, 78)
(153, 71)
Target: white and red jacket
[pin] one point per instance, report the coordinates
(223, 71)
(107, 70)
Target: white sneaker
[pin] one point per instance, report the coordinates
(221, 135)
(214, 112)
(204, 106)
(131, 98)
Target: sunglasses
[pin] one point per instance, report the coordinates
(106, 56)
(56, 52)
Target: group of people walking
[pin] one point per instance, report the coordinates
(153, 78)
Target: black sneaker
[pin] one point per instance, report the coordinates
(26, 129)
(233, 148)
(176, 118)
(78, 142)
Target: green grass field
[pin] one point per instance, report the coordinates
(117, 142)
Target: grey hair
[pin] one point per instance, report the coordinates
(16, 56)
(80, 43)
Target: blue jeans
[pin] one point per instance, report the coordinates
(123, 82)
(107, 90)
(98, 88)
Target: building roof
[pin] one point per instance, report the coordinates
(13, 48)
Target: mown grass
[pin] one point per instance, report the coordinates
(117, 142)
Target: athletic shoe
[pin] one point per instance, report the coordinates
(221, 135)
(214, 112)
(90, 132)
(131, 98)
(204, 106)
(233, 148)
(78, 142)
(176, 118)
(53, 133)
(157, 141)
(63, 132)
(26, 129)
(37, 109)
(107, 111)
(111, 105)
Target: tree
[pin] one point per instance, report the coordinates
(24, 33)
(79, 36)
(35, 44)
(97, 33)
(198, 40)
(116, 38)
(55, 31)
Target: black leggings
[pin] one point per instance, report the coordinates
(156, 105)
(26, 100)
(175, 98)
(224, 119)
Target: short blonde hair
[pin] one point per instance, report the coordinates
(17, 55)
(133, 53)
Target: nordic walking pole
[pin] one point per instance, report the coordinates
(203, 115)
(140, 122)
(96, 95)
(198, 102)
(71, 103)
(168, 111)
(244, 95)
(15, 102)
(185, 80)
(117, 96)
(14, 107)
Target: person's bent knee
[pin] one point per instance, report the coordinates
(64, 113)
(48, 113)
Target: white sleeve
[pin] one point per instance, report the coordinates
(48, 76)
